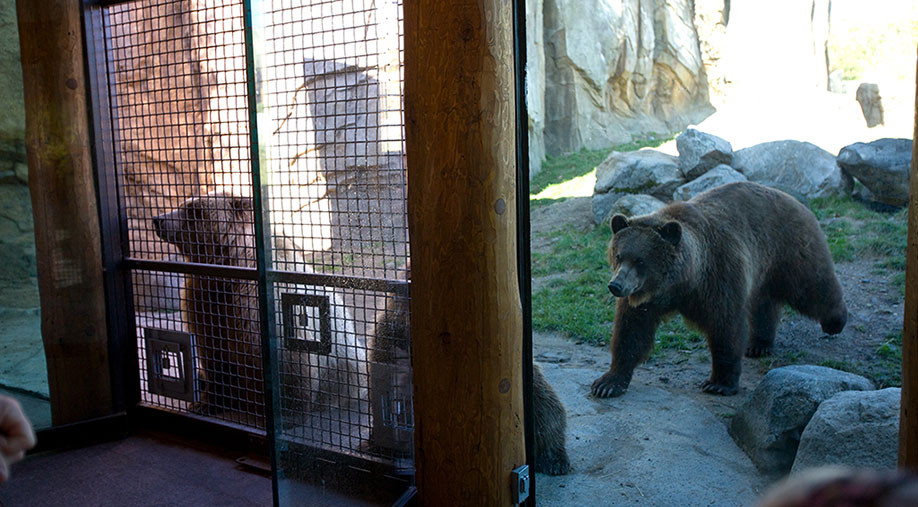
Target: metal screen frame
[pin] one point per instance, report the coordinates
(119, 264)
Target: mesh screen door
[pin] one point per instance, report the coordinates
(258, 212)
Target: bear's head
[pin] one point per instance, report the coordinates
(216, 228)
(642, 253)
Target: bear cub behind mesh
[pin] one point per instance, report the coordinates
(223, 315)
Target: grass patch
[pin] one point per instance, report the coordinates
(579, 307)
(675, 335)
(884, 370)
(855, 232)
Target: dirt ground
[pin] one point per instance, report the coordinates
(875, 309)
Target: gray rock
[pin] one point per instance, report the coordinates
(700, 152)
(798, 166)
(868, 96)
(856, 429)
(631, 205)
(882, 166)
(720, 175)
(601, 205)
(769, 424)
(639, 172)
(22, 172)
(612, 70)
(535, 84)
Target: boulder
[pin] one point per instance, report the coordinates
(768, 425)
(720, 175)
(700, 152)
(856, 429)
(602, 204)
(868, 96)
(639, 172)
(613, 68)
(633, 205)
(882, 166)
(793, 165)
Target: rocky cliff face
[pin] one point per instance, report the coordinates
(614, 68)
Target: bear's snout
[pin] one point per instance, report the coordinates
(165, 226)
(615, 287)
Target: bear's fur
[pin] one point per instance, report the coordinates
(222, 314)
(390, 363)
(726, 260)
(550, 427)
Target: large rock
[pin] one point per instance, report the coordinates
(720, 175)
(856, 429)
(868, 96)
(769, 424)
(639, 172)
(630, 205)
(700, 152)
(613, 68)
(792, 165)
(882, 166)
(636, 172)
(535, 84)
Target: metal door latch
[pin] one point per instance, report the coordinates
(519, 479)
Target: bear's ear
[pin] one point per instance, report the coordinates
(618, 223)
(671, 232)
(241, 205)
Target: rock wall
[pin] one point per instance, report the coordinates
(617, 68)
(18, 285)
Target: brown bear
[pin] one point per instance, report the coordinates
(222, 314)
(390, 380)
(726, 260)
(550, 427)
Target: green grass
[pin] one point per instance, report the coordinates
(884, 370)
(855, 232)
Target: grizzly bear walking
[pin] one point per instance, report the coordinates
(726, 260)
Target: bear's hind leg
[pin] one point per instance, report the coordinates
(763, 325)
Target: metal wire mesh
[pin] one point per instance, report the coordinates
(331, 130)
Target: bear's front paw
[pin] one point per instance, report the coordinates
(609, 385)
(712, 387)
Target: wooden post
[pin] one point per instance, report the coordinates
(908, 421)
(67, 240)
(466, 323)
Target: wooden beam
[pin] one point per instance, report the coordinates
(466, 323)
(908, 422)
(67, 240)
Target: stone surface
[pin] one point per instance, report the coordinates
(639, 172)
(768, 425)
(720, 175)
(883, 166)
(613, 68)
(535, 84)
(12, 103)
(633, 205)
(651, 447)
(855, 429)
(700, 152)
(868, 96)
(792, 165)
